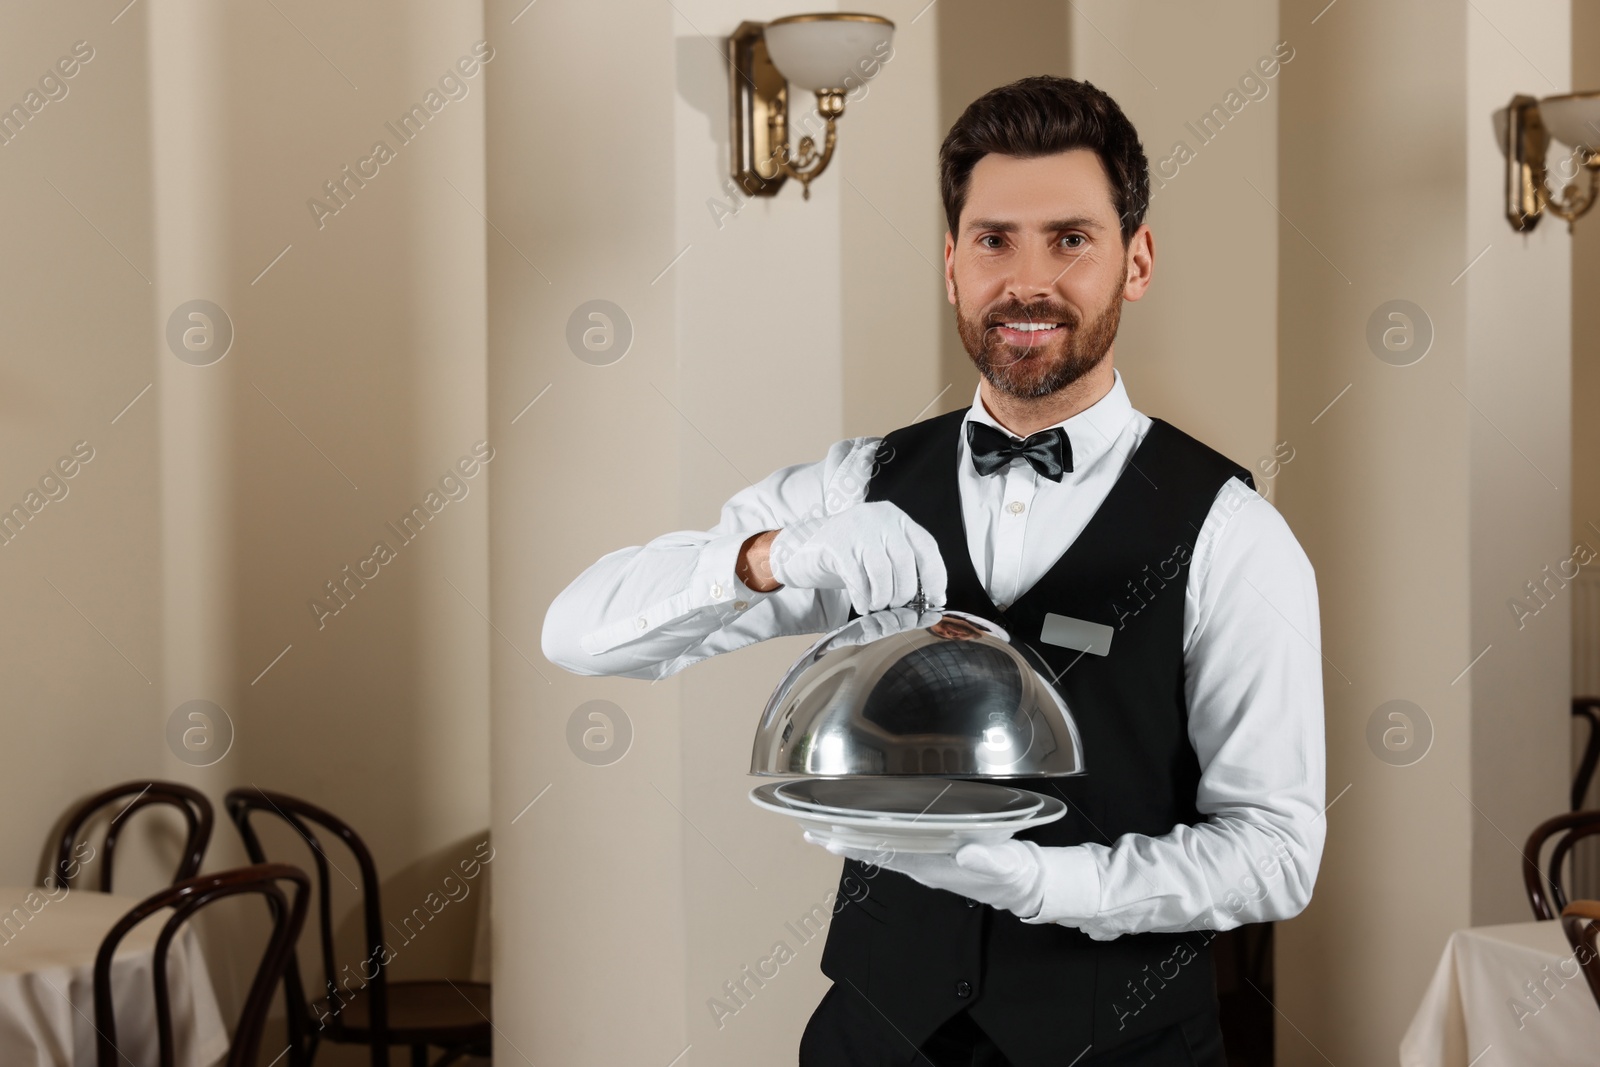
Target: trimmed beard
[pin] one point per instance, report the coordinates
(1030, 373)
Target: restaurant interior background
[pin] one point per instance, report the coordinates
(378, 340)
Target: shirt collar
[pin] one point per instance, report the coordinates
(1091, 430)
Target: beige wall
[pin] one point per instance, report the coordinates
(218, 504)
(80, 323)
(1518, 377)
(1420, 516)
(1200, 349)
(1586, 385)
(581, 187)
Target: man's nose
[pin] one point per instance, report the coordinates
(1035, 277)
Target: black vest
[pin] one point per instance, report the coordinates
(1045, 992)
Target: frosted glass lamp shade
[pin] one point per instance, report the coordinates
(1573, 119)
(827, 50)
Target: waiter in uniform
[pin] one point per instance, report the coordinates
(1083, 943)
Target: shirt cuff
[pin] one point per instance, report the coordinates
(715, 577)
(712, 590)
(1071, 886)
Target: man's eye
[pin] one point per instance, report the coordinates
(986, 238)
(1073, 240)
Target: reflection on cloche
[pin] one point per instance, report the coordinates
(895, 692)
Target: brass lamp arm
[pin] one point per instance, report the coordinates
(1574, 203)
(807, 164)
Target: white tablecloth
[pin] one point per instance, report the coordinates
(47, 950)
(1481, 997)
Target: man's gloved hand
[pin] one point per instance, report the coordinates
(874, 551)
(1009, 875)
(881, 624)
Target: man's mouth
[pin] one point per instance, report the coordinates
(1027, 334)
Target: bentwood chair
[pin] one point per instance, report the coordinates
(1547, 891)
(1580, 920)
(72, 854)
(287, 911)
(360, 1004)
(1587, 708)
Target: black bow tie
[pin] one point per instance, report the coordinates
(1049, 451)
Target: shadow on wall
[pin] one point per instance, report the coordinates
(432, 909)
(702, 68)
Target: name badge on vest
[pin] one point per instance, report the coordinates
(1079, 635)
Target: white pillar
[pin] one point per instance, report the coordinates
(188, 48)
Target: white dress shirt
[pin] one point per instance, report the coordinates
(1251, 653)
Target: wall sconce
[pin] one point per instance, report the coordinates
(1525, 129)
(830, 54)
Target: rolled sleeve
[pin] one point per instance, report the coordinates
(651, 610)
(712, 590)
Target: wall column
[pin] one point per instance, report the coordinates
(1431, 485)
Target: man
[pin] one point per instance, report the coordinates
(1084, 942)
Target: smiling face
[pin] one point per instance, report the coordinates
(1039, 270)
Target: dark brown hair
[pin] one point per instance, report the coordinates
(1041, 116)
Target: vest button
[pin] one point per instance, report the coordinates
(963, 989)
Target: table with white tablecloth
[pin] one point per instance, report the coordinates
(48, 942)
(1514, 989)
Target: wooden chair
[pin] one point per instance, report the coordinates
(1568, 829)
(378, 1012)
(1580, 920)
(1586, 708)
(196, 813)
(288, 914)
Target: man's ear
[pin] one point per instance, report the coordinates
(949, 267)
(1141, 259)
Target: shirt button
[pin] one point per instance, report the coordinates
(740, 605)
(716, 590)
(971, 903)
(963, 989)
(640, 622)
(1016, 507)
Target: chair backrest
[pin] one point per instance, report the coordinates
(306, 1018)
(1586, 708)
(288, 914)
(196, 814)
(1568, 829)
(1580, 920)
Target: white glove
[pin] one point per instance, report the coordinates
(881, 624)
(875, 551)
(1009, 875)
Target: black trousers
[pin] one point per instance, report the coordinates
(847, 1031)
